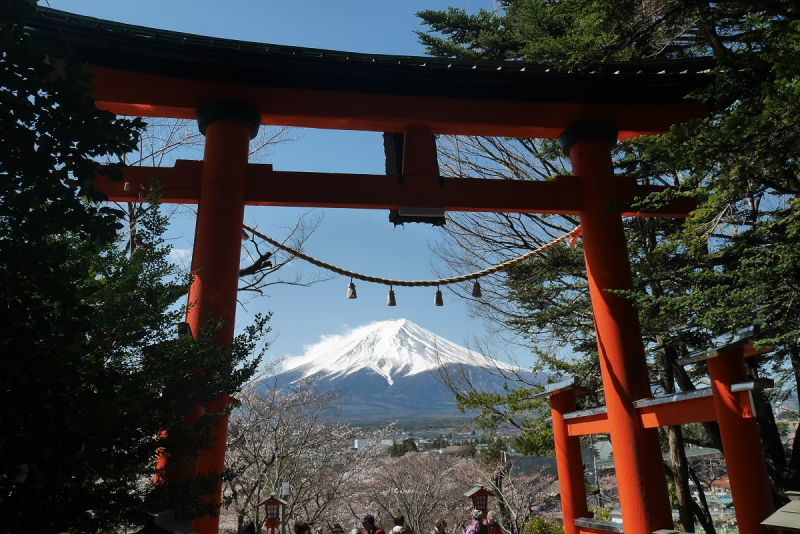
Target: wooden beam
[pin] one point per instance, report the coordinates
(149, 95)
(692, 410)
(695, 406)
(180, 184)
(596, 525)
(585, 422)
(266, 187)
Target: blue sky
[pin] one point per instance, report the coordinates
(360, 240)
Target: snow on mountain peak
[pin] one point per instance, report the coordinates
(388, 348)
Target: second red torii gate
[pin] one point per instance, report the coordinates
(729, 401)
(233, 87)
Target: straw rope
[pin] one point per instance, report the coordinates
(418, 283)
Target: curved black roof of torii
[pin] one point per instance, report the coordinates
(145, 50)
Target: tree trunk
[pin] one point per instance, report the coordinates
(702, 513)
(792, 475)
(502, 505)
(677, 451)
(680, 472)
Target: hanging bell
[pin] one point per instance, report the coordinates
(438, 301)
(391, 301)
(351, 290)
(476, 290)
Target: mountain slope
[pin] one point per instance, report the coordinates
(391, 370)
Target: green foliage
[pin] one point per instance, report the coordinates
(563, 34)
(557, 278)
(493, 453)
(671, 490)
(734, 263)
(602, 514)
(396, 450)
(90, 397)
(91, 372)
(481, 35)
(439, 443)
(52, 134)
(517, 406)
(542, 525)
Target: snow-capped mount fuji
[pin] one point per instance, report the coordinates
(389, 348)
(391, 370)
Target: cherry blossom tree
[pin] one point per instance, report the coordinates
(286, 434)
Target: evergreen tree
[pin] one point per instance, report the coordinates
(397, 450)
(733, 263)
(91, 371)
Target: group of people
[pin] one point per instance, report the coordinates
(479, 525)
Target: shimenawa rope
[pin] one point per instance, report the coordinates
(417, 283)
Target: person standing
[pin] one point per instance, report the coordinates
(494, 525)
(301, 527)
(368, 522)
(475, 527)
(440, 526)
(400, 521)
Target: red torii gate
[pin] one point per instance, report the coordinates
(729, 401)
(232, 87)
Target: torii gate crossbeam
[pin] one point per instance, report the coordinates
(265, 187)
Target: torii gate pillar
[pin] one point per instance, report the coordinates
(643, 495)
(228, 127)
(744, 457)
(569, 464)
